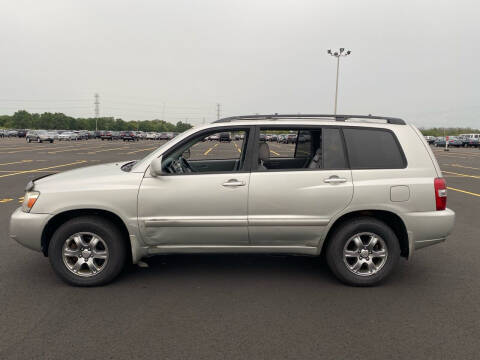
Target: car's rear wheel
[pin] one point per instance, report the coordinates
(87, 251)
(363, 252)
(39, 140)
(28, 140)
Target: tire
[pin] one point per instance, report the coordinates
(39, 140)
(28, 140)
(110, 239)
(343, 239)
(51, 141)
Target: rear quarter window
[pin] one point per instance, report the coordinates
(373, 149)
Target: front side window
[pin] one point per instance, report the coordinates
(211, 152)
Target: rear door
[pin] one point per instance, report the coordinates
(302, 188)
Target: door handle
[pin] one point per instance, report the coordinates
(334, 179)
(233, 183)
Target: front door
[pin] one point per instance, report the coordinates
(202, 198)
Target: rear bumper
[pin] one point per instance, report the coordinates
(428, 228)
(27, 228)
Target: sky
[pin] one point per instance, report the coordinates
(176, 59)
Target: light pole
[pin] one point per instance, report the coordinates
(338, 54)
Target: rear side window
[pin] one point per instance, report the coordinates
(373, 149)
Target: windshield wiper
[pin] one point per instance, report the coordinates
(128, 166)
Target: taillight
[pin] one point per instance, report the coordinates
(440, 193)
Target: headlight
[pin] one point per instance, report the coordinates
(29, 200)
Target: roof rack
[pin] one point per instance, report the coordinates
(389, 120)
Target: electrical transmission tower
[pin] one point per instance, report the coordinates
(97, 110)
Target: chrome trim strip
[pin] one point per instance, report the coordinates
(419, 244)
(282, 220)
(194, 221)
(252, 249)
(226, 221)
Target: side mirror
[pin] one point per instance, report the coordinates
(156, 167)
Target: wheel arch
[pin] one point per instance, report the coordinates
(55, 222)
(389, 218)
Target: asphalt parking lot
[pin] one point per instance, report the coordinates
(237, 306)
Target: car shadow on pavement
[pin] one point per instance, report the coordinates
(231, 266)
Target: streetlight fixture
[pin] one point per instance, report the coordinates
(338, 54)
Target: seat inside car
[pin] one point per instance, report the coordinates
(263, 155)
(316, 161)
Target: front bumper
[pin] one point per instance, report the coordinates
(27, 228)
(428, 228)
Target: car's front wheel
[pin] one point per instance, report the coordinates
(363, 252)
(87, 251)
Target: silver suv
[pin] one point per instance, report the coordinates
(361, 190)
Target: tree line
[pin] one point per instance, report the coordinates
(58, 121)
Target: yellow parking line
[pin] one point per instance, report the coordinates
(99, 151)
(461, 166)
(236, 147)
(10, 171)
(146, 149)
(463, 191)
(206, 152)
(41, 169)
(454, 156)
(463, 175)
(16, 162)
(274, 153)
(5, 200)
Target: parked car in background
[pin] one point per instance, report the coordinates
(452, 142)
(290, 139)
(11, 133)
(67, 136)
(54, 134)
(39, 136)
(430, 139)
(129, 136)
(469, 141)
(106, 135)
(151, 136)
(225, 137)
(22, 133)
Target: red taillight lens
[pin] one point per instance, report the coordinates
(440, 193)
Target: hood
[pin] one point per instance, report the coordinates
(81, 176)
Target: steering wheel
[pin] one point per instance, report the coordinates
(179, 166)
(185, 165)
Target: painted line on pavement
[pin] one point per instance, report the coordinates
(41, 169)
(206, 152)
(462, 175)
(16, 162)
(463, 191)
(461, 166)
